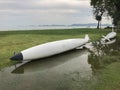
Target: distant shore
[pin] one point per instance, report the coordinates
(46, 27)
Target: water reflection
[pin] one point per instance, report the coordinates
(80, 56)
(63, 71)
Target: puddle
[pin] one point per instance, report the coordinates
(67, 61)
(48, 73)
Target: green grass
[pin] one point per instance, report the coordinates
(107, 78)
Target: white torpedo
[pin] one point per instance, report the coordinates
(109, 36)
(50, 48)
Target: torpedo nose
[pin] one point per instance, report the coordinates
(18, 57)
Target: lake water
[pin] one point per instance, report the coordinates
(37, 27)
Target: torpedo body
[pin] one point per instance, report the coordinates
(109, 36)
(50, 48)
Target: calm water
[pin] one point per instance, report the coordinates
(47, 74)
(65, 71)
(30, 27)
(37, 27)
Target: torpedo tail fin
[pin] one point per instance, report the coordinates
(87, 37)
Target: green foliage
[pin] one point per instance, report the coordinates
(110, 7)
(98, 18)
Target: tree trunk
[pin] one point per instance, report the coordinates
(98, 26)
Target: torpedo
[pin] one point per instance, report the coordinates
(50, 49)
(109, 36)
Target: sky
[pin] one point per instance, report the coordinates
(40, 12)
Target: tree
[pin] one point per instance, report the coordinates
(98, 10)
(113, 9)
(107, 7)
(98, 18)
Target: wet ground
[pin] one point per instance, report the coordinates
(47, 74)
(65, 71)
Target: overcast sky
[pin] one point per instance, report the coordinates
(32, 12)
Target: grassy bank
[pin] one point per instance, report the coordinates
(106, 67)
(107, 77)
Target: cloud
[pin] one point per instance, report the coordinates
(42, 5)
(23, 12)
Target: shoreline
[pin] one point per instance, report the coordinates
(48, 28)
(44, 29)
